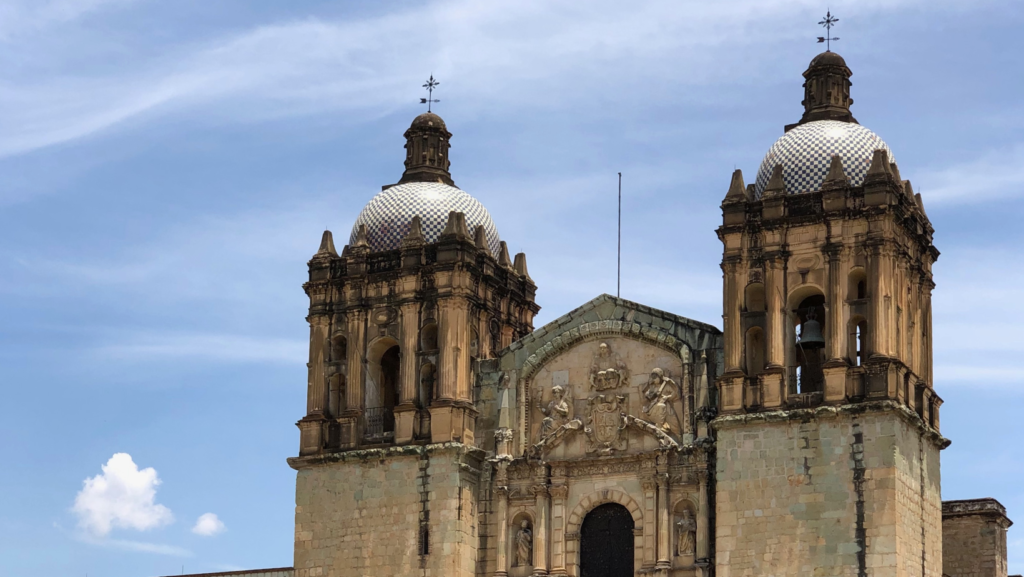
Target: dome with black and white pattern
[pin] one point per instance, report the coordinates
(388, 214)
(806, 151)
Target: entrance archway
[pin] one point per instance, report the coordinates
(606, 542)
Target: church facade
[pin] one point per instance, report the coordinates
(445, 435)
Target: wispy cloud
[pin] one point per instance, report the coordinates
(207, 347)
(138, 546)
(483, 50)
(993, 175)
(19, 17)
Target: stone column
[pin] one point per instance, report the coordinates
(732, 304)
(650, 529)
(356, 343)
(501, 492)
(664, 554)
(447, 358)
(410, 339)
(316, 402)
(834, 305)
(405, 411)
(775, 328)
(558, 494)
(540, 531)
(702, 515)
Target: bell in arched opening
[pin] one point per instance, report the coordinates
(810, 333)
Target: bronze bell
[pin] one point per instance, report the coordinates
(810, 333)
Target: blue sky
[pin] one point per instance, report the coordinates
(167, 168)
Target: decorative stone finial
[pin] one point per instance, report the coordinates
(362, 244)
(776, 185)
(414, 237)
(503, 258)
(737, 190)
(326, 246)
(426, 156)
(456, 226)
(879, 164)
(520, 265)
(836, 174)
(895, 171)
(480, 238)
(920, 203)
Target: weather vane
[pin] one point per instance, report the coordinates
(430, 92)
(828, 22)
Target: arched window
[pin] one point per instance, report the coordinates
(336, 397)
(389, 370)
(753, 300)
(857, 341)
(858, 284)
(339, 348)
(381, 388)
(810, 344)
(428, 337)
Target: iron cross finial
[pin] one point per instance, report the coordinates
(828, 22)
(431, 83)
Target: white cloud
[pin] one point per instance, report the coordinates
(208, 525)
(994, 174)
(121, 497)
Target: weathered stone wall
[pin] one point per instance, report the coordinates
(974, 538)
(827, 493)
(361, 513)
(279, 572)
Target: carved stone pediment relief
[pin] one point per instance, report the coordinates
(607, 371)
(606, 419)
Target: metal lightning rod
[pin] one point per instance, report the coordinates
(618, 274)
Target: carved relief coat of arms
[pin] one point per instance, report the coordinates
(606, 419)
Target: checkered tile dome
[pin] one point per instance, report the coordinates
(806, 151)
(388, 214)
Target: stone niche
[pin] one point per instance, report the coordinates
(609, 396)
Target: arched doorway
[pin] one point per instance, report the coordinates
(606, 542)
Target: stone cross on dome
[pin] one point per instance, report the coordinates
(430, 85)
(828, 22)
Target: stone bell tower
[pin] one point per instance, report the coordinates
(828, 431)
(423, 289)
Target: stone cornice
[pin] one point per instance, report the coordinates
(831, 412)
(460, 449)
(986, 507)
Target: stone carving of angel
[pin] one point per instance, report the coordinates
(557, 412)
(660, 392)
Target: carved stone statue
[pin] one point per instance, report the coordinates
(524, 546)
(686, 529)
(660, 392)
(607, 371)
(557, 412)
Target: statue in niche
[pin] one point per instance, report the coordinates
(524, 545)
(607, 371)
(686, 530)
(661, 392)
(558, 411)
